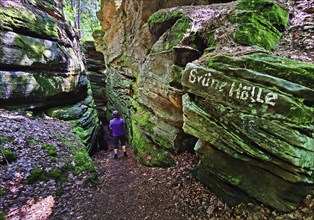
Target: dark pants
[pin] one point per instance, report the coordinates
(116, 139)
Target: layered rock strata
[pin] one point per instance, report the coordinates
(212, 73)
(40, 61)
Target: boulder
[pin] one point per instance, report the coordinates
(255, 113)
(41, 63)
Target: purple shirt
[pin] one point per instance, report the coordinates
(117, 127)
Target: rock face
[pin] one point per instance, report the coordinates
(212, 74)
(40, 61)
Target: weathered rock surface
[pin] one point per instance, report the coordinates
(263, 124)
(41, 65)
(211, 72)
(94, 62)
(40, 58)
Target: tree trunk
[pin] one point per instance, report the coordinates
(78, 20)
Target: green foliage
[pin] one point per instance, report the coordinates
(88, 19)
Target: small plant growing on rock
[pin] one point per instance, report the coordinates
(7, 155)
(50, 149)
(33, 142)
(36, 174)
(2, 192)
(58, 174)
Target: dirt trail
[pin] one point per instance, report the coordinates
(128, 190)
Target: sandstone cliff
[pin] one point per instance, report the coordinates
(41, 65)
(226, 76)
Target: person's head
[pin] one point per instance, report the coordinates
(115, 114)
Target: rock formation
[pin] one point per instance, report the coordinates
(41, 66)
(216, 75)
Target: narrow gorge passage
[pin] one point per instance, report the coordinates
(128, 190)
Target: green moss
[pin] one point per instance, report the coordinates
(145, 150)
(50, 150)
(48, 85)
(294, 71)
(123, 60)
(2, 192)
(162, 16)
(69, 112)
(276, 15)
(59, 192)
(83, 134)
(83, 117)
(13, 17)
(260, 24)
(59, 175)
(33, 142)
(2, 216)
(255, 30)
(211, 42)
(4, 139)
(173, 36)
(83, 162)
(141, 117)
(147, 154)
(9, 155)
(36, 174)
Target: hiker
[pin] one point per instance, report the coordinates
(116, 126)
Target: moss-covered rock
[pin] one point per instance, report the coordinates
(17, 19)
(254, 111)
(172, 36)
(260, 23)
(83, 117)
(162, 20)
(294, 71)
(271, 11)
(146, 150)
